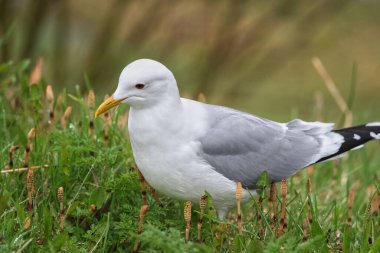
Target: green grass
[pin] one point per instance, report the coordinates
(92, 174)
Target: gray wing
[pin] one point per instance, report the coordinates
(241, 146)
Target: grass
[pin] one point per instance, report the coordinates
(98, 205)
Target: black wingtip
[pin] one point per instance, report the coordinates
(355, 137)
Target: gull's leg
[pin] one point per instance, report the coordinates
(155, 194)
(238, 199)
(187, 214)
(143, 188)
(202, 205)
(144, 184)
(143, 211)
(144, 207)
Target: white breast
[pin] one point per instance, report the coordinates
(167, 155)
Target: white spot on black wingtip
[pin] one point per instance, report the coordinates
(372, 124)
(374, 135)
(357, 137)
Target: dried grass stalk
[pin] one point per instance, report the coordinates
(202, 205)
(272, 200)
(310, 171)
(91, 100)
(338, 241)
(187, 215)
(27, 223)
(374, 195)
(31, 134)
(49, 94)
(305, 228)
(12, 150)
(66, 116)
(107, 122)
(30, 188)
(375, 205)
(5, 172)
(60, 100)
(283, 221)
(332, 88)
(308, 189)
(239, 191)
(28, 149)
(93, 208)
(60, 193)
(50, 103)
(91, 105)
(35, 75)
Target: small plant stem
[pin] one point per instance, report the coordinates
(338, 241)
(305, 230)
(30, 188)
(12, 150)
(23, 169)
(66, 116)
(60, 194)
(187, 215)
(310, 171)
(35, 75)
(50, 103)
(332, 88)
(283, 222)
(308, 189)
(91, 105)
(238, 194)
(107, 122)
(28, 148)
(272, 205)
(202, 205)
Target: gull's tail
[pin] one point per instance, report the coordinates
(355, 137)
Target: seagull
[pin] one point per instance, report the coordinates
(184, 148)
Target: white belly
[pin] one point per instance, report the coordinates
(180, 174)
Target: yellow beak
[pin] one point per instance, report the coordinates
(106, 105)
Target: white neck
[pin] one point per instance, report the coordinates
(158, 120)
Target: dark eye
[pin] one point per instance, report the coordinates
(139, 86)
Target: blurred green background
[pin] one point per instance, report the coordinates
(251, 55)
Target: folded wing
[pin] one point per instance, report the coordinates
(241, 146)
